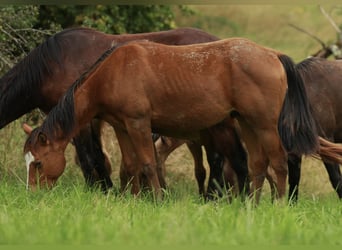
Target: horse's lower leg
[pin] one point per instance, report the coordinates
(272, 180)
(164, 146)
(129, 168)
(237, 157)
(103, 168)
(227, 141)
(277, 156)
(124, 177)
(92, 159)
(161, 172)
(257, 160)
(294, 166)
(335, 177)
(216, 182)
(139, 135)
(200, 172)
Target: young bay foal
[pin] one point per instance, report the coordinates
(180, 91)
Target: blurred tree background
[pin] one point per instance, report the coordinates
(23, 27)
(18, 34)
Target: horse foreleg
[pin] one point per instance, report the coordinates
(139, 132)
(129, 169)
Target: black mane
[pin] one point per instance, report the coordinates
(23, 81)
(62, 117)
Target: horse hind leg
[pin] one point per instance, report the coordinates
(257, 160)
(277, 156)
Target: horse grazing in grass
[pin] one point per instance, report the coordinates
(43, 76)
(322, 79)
(181, 91)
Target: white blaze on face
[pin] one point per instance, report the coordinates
(28, 159)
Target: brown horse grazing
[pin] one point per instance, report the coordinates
(322, 79)
(43, 76)
(180, 91)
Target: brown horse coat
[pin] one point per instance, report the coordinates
(180, 91)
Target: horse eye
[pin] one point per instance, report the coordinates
(38, 164)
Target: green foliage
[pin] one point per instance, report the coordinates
(111, 18)
(23, 27)
(17, 33)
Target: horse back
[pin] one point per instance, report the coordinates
(178, 84)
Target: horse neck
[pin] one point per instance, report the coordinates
(85, 105)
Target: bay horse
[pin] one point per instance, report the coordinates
(43, 76)
(322, 79)
(180, 91)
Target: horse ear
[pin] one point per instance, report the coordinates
(42, 138)
(27, 128)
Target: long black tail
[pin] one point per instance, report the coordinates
(296, 125)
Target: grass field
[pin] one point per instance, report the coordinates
(70, 214)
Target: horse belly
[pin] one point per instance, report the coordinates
(185, 123)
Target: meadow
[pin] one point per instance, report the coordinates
(70, 214)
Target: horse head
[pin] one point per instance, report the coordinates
(45, 160)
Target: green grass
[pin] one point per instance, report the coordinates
(69, 214)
